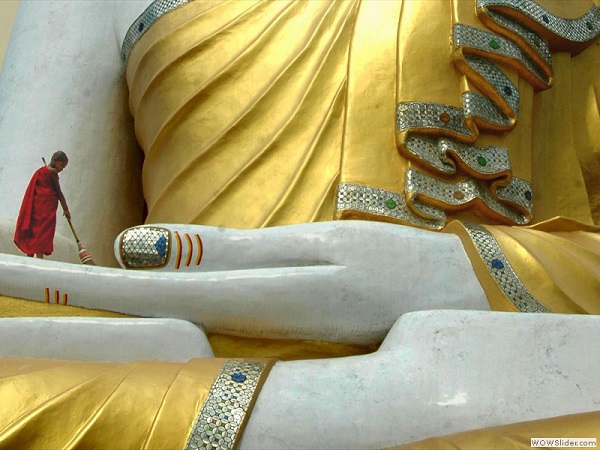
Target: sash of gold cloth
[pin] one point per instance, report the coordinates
(147, 404)
(553, 266)
(255, 114)
(518, 436)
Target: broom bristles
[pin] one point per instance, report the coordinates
(84, 255)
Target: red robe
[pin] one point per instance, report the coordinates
(37, 218)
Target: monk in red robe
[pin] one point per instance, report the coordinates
(36, 223)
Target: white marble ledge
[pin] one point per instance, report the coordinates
(436, 373)
(102, 339)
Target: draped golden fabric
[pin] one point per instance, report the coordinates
(252, 114)
(71, 404)
(518, 435)
(558, 261)
(239, 109)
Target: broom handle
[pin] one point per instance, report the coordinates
(72, 229)
(68, 220)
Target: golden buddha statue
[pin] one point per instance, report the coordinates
(442, 115)
(255, 114)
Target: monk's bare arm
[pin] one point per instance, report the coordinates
(61, 197)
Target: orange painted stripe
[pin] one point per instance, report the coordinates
(178, 240)
(65, 299)
(47, 295)
(191, 249)
(200, 250)
(56, 297)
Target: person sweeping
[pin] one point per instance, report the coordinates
(36, 224)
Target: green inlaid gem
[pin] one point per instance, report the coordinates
(494, 44)
(481, 161)
(391, 203)
(590, 25)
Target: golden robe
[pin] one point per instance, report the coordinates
(255, 114)
(561, 431)
(55, 404)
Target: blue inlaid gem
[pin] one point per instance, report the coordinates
(140, 27)
(508, 90)
(161, 246)
(528, 195)
(497, 264)
(545, 18)
(238, 377)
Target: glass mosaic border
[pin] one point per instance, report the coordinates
(151, 14)
(533, 40)
(468, 190)
(419, 116)
(437, 116)
(582, 29)
(483, 108)
(501, 270)
(486, 161)
(219, 423)
(145, 247)
(466, 36)
(384, 203)
(505, 89)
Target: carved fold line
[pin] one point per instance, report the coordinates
(180, 57)
(210, 147)
(161, 409)
(300, 173)
(582, 259)
(239, 175)
(192, 100)
(324, 203)
(57, 398)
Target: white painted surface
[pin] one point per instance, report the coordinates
(337, 281)
(99, 339)
(437, 372)
(61, 88)
(65, 247)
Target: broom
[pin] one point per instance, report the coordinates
(84, 256)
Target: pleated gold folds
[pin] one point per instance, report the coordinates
(55, 404)
(555, 264)
(252, 113)
(239, 109)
